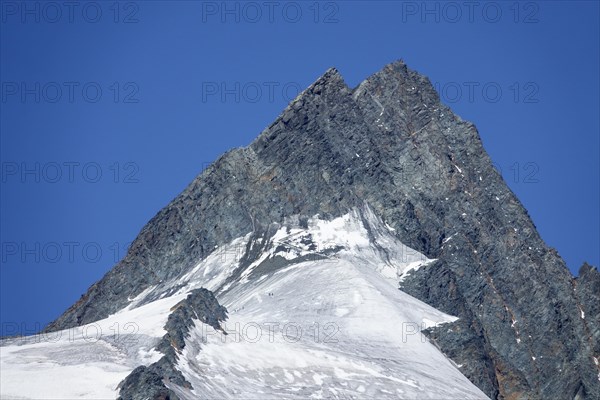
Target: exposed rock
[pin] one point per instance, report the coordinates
(200, 305)
(149, 382)
(144, 383)
(392, 144)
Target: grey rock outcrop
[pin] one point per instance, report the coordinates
(390, 143)
(148, 382)
(145, 383)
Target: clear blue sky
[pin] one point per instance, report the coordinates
(109, 111)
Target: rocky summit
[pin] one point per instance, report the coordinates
(372, 221)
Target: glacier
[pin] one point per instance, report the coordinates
(314, 311)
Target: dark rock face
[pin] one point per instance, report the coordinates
(149, 382)
(587, 287)
(144, 383)
(392, 144)
(200, 304)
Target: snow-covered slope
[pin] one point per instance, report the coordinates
(83, 362)
(314, 311)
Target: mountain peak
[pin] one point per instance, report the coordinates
(330, 80)
(397, 65)
(327, 90)
(408, 87)
(389, 143)
(332, 73)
